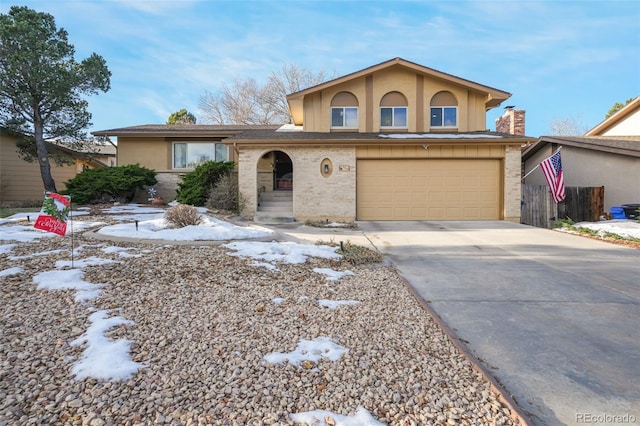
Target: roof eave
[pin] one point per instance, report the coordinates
(175, 134)
(543, 140)
(493, 93)
(377, 141)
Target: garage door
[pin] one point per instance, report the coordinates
(441, 189)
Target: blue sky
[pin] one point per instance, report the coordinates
(559, 59)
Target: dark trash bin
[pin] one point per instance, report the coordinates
(631, 211)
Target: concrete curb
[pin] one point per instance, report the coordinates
(516, 412)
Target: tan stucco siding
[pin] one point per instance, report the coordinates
(415, 88)
(152, 153)
(475, 113)
(22, 181)
(395, 80)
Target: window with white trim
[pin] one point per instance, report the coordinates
(444, 110)
(393, 111)
(344, 111)
(189, 155)
(344, 117)
(444, 116)
(393, 117)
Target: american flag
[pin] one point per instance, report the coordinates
(552, 169)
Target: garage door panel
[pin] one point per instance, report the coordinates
(435, 181)
(453, 197)
(402, 198)
(454, 181)
(428, 189)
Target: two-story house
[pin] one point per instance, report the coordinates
(395, 141)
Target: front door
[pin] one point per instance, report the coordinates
(282, 172)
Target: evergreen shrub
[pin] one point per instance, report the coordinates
(109, 184)
(196, 185)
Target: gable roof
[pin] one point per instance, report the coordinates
(622, 145)
(494, 96)
(618, 117)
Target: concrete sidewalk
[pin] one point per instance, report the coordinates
(554, 317)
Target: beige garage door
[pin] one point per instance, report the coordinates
(428, 189)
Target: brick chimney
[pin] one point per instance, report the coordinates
(511, 122)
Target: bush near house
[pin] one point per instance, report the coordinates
(109, 184)
(225, 194)
(196, 185)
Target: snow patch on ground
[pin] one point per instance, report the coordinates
(319, 418)
(104, 358)
(308, 350)
(68, 279)
(334, 304)
(11, 271)
(331, 274)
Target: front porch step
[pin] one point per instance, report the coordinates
(276, 196)
(275, 207)
(280, 202)
(285, 206)
(271, 218)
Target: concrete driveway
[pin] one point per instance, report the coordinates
(554, 317)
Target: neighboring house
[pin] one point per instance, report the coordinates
(21, 181)
(607, 155)
(625, 122)
(395, 141)
(91, 155)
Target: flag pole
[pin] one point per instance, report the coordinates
(534, 169)
(71, 220)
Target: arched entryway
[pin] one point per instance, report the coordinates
(275, 172)
(275, 186)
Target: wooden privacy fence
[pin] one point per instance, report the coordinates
(581, 204)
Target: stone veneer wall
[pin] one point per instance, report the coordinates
(512, 183)
(314, 196)
(166, 187)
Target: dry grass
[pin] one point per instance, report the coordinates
(183, 215)
(353, 253)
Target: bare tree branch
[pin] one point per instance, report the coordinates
(569, 126)
(245, 102)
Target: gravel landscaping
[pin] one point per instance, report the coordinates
(201, 323)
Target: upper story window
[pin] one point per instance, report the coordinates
(444, 110)
(344, 111)
(189, 155)
(393, 111)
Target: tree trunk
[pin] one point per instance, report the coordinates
(43, 158)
